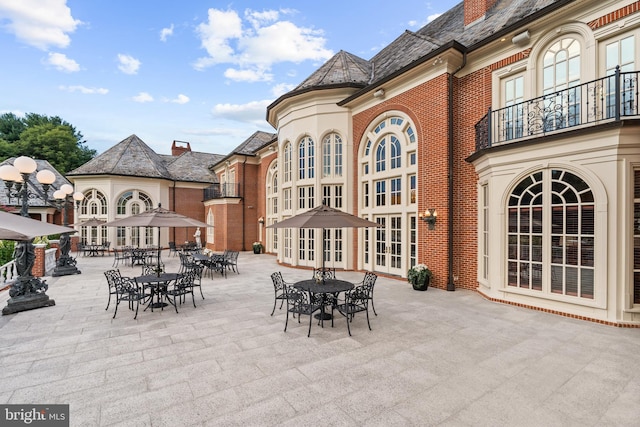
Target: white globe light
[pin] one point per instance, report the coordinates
(9, 173)
(78, 196)
(25, 164)
(66, 188)
(45, 176)
(59, 194)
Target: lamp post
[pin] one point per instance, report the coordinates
(66, 264)
(27, 292)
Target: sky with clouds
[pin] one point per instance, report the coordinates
(196, 71)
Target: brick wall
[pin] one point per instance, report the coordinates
(187, 201)
(427, 106)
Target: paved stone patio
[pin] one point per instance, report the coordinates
(432, 358)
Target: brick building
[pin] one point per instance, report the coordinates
(515, 120)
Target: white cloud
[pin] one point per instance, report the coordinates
(181, 99)
(254, 47)
(420, 24)
(166, 32)
(252, 112)
(246, 75)
(39, 23)
(216, 33)
(143, 97)
(281, 89)
(85, 90)
(62, 63)
(128, 64)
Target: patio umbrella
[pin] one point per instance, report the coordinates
(93, 222)
(16, 227)
(324, 217)
(158, 217)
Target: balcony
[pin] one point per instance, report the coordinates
(221, 191)
(611, 98)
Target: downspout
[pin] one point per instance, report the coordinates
(244, 198)
(174, 209)
(451, 285)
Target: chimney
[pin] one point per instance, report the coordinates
(474, 10)
(179, 147)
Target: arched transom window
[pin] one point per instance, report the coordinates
(94, 204)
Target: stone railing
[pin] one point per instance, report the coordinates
(49, 261)
(8, 273)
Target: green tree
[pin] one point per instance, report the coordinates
(42, 137)
(11, 126)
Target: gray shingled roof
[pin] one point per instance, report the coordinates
(132, 157)
(34, 186)
(193, 166)
(345, 69)
(251, 145)
(255, 142)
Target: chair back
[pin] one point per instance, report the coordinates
(324, 273)
(358, 298)
(113, 277)
(278, 282)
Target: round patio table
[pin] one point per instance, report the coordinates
(159, 282)
(328, 286)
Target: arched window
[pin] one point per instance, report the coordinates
(388, 195)
(381, 156)
(286, 162)
(560, 78)
(332, 156)
(551, 234)
(306, 158)
(210, 221)
(94, 204)
(133, 202)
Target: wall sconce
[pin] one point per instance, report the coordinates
(379, 93)
(429, 216)
(261, 220)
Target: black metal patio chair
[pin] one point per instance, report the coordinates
(132, 292)
(280, 290)
(301, 303)
(182, 287)
(355, 301)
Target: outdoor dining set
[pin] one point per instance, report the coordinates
(322, 292)
(158, 288)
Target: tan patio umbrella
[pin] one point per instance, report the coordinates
(16, 227)
(92, 222)
(324, 217)
(158, 217)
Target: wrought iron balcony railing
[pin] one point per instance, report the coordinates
(220, 191)
(610, 98)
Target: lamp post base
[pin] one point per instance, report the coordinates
(27, 302)
(65, 270)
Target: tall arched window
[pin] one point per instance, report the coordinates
(210, 221)
(551, 234)
(388, 194)
(332, 156)
(286, 162)
(272, 206)
(306, 158)
(560, 78)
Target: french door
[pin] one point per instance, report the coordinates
(387, 257)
